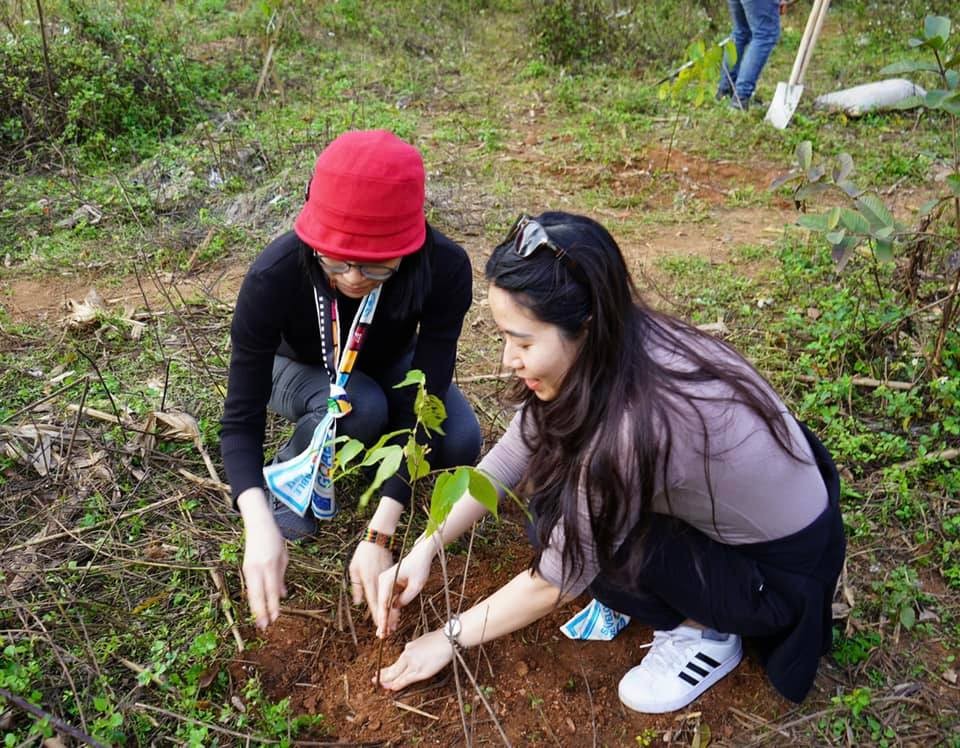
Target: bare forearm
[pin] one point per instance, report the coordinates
(524, 599)
(387, 516)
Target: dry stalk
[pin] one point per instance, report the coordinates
(58, 723)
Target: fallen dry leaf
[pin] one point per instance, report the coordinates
(83, 314)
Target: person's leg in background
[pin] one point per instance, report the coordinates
(741, 38)
(300, 393)
(763, 17)
(462, 440)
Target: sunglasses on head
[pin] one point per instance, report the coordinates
(528, 236)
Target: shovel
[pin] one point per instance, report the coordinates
(787, 96)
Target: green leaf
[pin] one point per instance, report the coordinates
(934, 99)
(813, 222)
(883, 250)
(849, 188)
(910, 66)
(815, 173)
(446, 492)
(431, 412)
(875, 211)
(784, 178)
(389, 464)
(380, 454)
(927, 208)
(953, 76)
(843, 251)
(804, 154)
(952, 105)
(953, 182)
(844, 167)
(806, 191)
(347, 452)
(414, 376)
(381, 441)
(483, 490)
(416, 454)
(833, 218)
(854, 221)
(836, 237)
(908, 617)
(936, 27)
(884, 232)
(911, 102)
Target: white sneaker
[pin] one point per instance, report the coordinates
(680, 665)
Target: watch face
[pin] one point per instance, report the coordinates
(451, 629)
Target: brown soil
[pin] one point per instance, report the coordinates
(542, 687)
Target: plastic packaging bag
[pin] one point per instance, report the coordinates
(596, 622)
(869, 97)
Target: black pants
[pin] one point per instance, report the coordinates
(777, 592)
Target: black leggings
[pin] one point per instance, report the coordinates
(687, 574)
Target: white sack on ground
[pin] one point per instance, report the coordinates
(868, 97)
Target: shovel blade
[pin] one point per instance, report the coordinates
(785, 101)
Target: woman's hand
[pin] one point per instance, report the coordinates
(413, 575)
(368, 562)
(420, 659)
(264, 558)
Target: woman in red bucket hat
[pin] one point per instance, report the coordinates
(361, 251)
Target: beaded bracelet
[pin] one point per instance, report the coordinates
(380, 538)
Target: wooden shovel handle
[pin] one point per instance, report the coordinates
(799, 62)
(812, 41)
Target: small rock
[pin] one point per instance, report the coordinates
(571, 728)
(374, 726)
(522, 668)
(813, 312)
(950, 676)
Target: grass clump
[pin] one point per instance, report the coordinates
(111, 81)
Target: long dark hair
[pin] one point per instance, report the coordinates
(403, 295)
(578, 436)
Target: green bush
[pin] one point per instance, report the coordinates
(110, 82)
(627, 35)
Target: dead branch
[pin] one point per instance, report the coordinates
(58, 723)
(863, 382)
(77, 531)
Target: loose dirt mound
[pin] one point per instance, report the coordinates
(541, 686)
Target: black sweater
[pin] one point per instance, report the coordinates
(276, 313)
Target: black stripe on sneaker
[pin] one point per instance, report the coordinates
(709, 660)
(696, 668)
(688, 679)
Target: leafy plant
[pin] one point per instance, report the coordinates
(862, 218)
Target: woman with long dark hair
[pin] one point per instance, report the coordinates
(663, 474)
(329, 318)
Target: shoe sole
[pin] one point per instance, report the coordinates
(671, 706)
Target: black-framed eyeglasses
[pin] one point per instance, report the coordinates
(528, 236)
(368, 271)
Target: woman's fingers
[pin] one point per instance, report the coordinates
(256, 599)
(420, 659)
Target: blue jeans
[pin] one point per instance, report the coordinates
(300, 394)
(756, 29)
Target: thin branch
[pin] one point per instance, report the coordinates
(77, 531)
(58, 723)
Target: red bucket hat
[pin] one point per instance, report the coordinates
(365, 201)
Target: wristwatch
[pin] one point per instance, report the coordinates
(451, 629)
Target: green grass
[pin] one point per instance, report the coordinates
(466, 81)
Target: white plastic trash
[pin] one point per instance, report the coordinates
(869, 97)
(596, 622)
